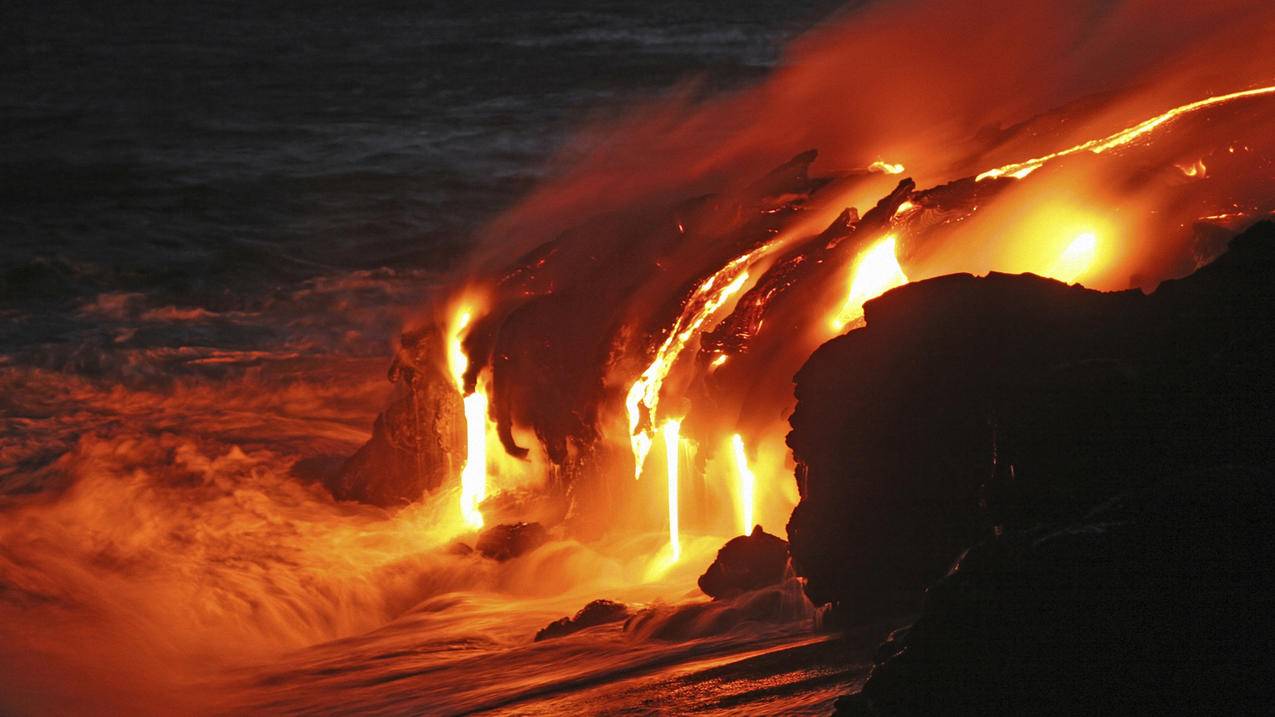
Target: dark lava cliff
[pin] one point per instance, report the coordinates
(1104, 457)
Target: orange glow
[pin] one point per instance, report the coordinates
(718, 360)
(876, 271)
(1123, 137)
(746, 483)
(886, 167)
(672, 455)
(904, 208)
(708, 297)
(1195, 169)
(457, 361)
(1076, 259)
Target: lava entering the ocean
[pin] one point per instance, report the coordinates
(653, 298)
(733, 284)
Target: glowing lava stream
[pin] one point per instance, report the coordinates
(473, 476)
(708, 297)
(672, 456)
(876, 271)
(1124, 136)
(1075, 259)
(885, 167)
(747, 483)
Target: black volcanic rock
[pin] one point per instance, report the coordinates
(510, 540)
(598, 612)
(418, 441)
(968, 405)
(745, 563)
(1158, 602)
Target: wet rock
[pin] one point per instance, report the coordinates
(510, 540)
(777, 604)
(598, 612)
(459, 548)
(745, 563)
(970, 404)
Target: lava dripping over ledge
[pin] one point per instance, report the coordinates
(700, 312)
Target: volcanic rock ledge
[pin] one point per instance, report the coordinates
(598, 612)
(1109, 457)
(744, 563)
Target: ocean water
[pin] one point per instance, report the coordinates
(213, 156)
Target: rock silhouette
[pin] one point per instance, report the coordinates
(598, 612)
(970, 403)
(1107, 455)
(510, 540)
(744, 563)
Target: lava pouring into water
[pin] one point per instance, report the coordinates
(643, 396)
(664, 286)
(673, 457)
(747, 484)
(473, 476)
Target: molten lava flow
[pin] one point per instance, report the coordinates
(457, 361)
(1075, 259)
(644, 395)
(886, 167)
(747, 483)
(1196, 169)
(1123, 137)
(473, 476)
(876, 271)
(672, 454)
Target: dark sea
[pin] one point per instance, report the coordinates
(171, 161)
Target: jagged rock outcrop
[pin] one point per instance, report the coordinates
(969, 403)
(1107, 455)
(418, 441)
(598, 612)
(744, 563)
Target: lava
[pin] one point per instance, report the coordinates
(1018, 170)
(643, 397)
(747, 484)
(1077, 258)
(913, 226)
(473, 476)
(665, 284)
(876, 271)
(886, 167)
(673, 456)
